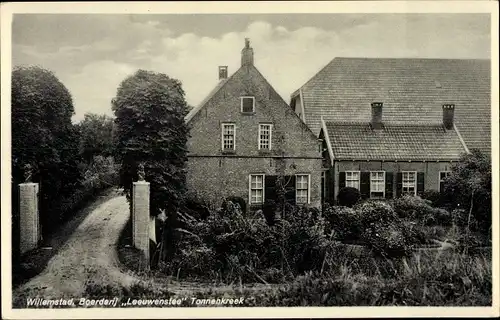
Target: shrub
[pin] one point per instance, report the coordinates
(418, 209)
(239, 200)
(231, 247)
(375, 211)
(195, 206)
(269, 211)
(345, 222)
(382, 229)
(348, 196)
(433, 196)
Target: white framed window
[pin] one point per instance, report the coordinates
(352, 179)
(409, 183)
(302, 187)
(377, 184)
(265, 136)
(228, 136)
(256, 188)
(247, 104)
(442, 176)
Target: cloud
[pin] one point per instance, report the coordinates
(94, 87)
(287, 55)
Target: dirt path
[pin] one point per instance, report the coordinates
(89, 256)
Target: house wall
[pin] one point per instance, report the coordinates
(216, 178)
(215, 174)
(430, 169)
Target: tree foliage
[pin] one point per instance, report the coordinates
(150, 108)
(43, 136)
(469, 186)
(96, 136)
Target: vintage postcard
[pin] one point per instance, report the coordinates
(249, 159)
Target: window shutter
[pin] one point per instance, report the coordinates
(389, 185)
(341, 180)
(270, 185)
(399, 184)
(290, 189)
(420, 182)
(365, 185)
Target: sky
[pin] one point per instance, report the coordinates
(92, 53)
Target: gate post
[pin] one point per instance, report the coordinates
(140, 217)
(29, 219)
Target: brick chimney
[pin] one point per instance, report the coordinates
(247, 54)
(448, 115)
(222, 72)
(376, 121)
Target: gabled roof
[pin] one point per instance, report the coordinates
(260, 77)
(196, 109)
(401, 142)
(412, 90)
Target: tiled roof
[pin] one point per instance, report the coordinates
(412, 90)
(358, 141)
(196, 109)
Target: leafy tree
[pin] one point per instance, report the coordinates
(469, 186)
(44, 137)
(150, 108)
(96, 136)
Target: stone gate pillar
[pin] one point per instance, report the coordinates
(140, 217)
(29, 218)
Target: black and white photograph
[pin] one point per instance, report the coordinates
(191, 160)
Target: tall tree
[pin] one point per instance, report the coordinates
(43, 136)
(96, 136)
(150, 108)
(469, 185)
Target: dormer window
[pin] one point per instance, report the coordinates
(247, 104)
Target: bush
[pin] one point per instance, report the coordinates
(239, 200)
(345, 222)
(383, 230)
(231, 247)
(418, 209)
(348, 196)
(373, 211)
(433, 196)
(269, 211)
(195, 206)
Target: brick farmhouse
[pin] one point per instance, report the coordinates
(244, 137)
(394, 126)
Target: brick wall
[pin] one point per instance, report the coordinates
(215, 174)
(217, 178)
(430, 169)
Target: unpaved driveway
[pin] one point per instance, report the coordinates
(89, 256)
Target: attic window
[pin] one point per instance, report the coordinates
(247, 104)
(437, 83)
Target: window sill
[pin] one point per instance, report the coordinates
(248, 113)
(228, 152)
(264, 152)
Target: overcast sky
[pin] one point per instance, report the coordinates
(92, 53)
